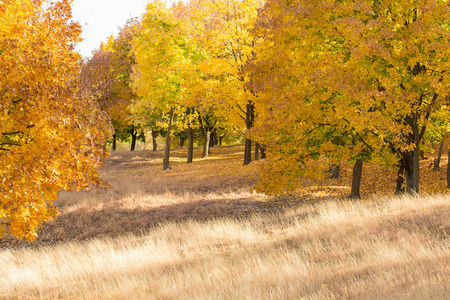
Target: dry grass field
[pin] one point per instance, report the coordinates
(199, 232)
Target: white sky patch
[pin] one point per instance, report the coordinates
(101, 18)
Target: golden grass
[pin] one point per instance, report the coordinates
(198, 232)
(330, 250)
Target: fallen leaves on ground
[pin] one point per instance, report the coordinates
(142, 195)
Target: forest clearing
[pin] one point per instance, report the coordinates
(305, 151)
(198, 231)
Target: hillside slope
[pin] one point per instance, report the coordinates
(197, 231)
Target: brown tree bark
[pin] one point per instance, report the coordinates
(221, 139)
(248, 152)
(437, 160)
(412, 171)
(263, 151)
(190, 131)
(216, 138)
(114, 142)
(412, 157)
(257, 148)
(248, 142)
(401, 179)
(133, 140)
(182, 140)
(212, 140)
(166, 162)
(154, 136)
(356, 180)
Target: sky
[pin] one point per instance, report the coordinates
(101, 18)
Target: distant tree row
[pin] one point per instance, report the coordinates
(178, 71)
(312, 83)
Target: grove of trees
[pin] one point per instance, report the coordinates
(309, 83)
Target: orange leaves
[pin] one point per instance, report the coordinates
(105, 77)
(50, 138)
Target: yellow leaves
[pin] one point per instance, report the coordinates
(3, 28)
(160, 56)
(216, 67)
(106, 77)
(344, 85)
(3, 229)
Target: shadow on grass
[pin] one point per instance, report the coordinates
(109, 221)
(112, 222)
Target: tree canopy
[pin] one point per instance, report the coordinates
(50, 137)
(372, 71)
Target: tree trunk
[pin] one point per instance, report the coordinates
(206, 144)
(335, 171)
(182, 140)
(190, 154)
(212, 138)
(412, 172)
(114, 142)
(356, 180)
(133, 140)
(248, 142)
(154, 136)
(221, 138)
(263, 151)
(437, 161)
(412, 157)
(248, 152)
(166, 164)
(190, 131)
(257, 148)
(216, 138)
(448, 170)
(401, 179)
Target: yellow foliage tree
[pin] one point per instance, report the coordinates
(162, 59)
(50, 137)
(373, 71)
(222, 29)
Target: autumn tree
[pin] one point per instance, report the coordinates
(123, 61)
(374, 70)
(148, 117)
(96, 82)
(50, 137)
(222, 29)
(160, 49)
(398, 57)
(203, 98)
(106, 76)
(168, 74)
